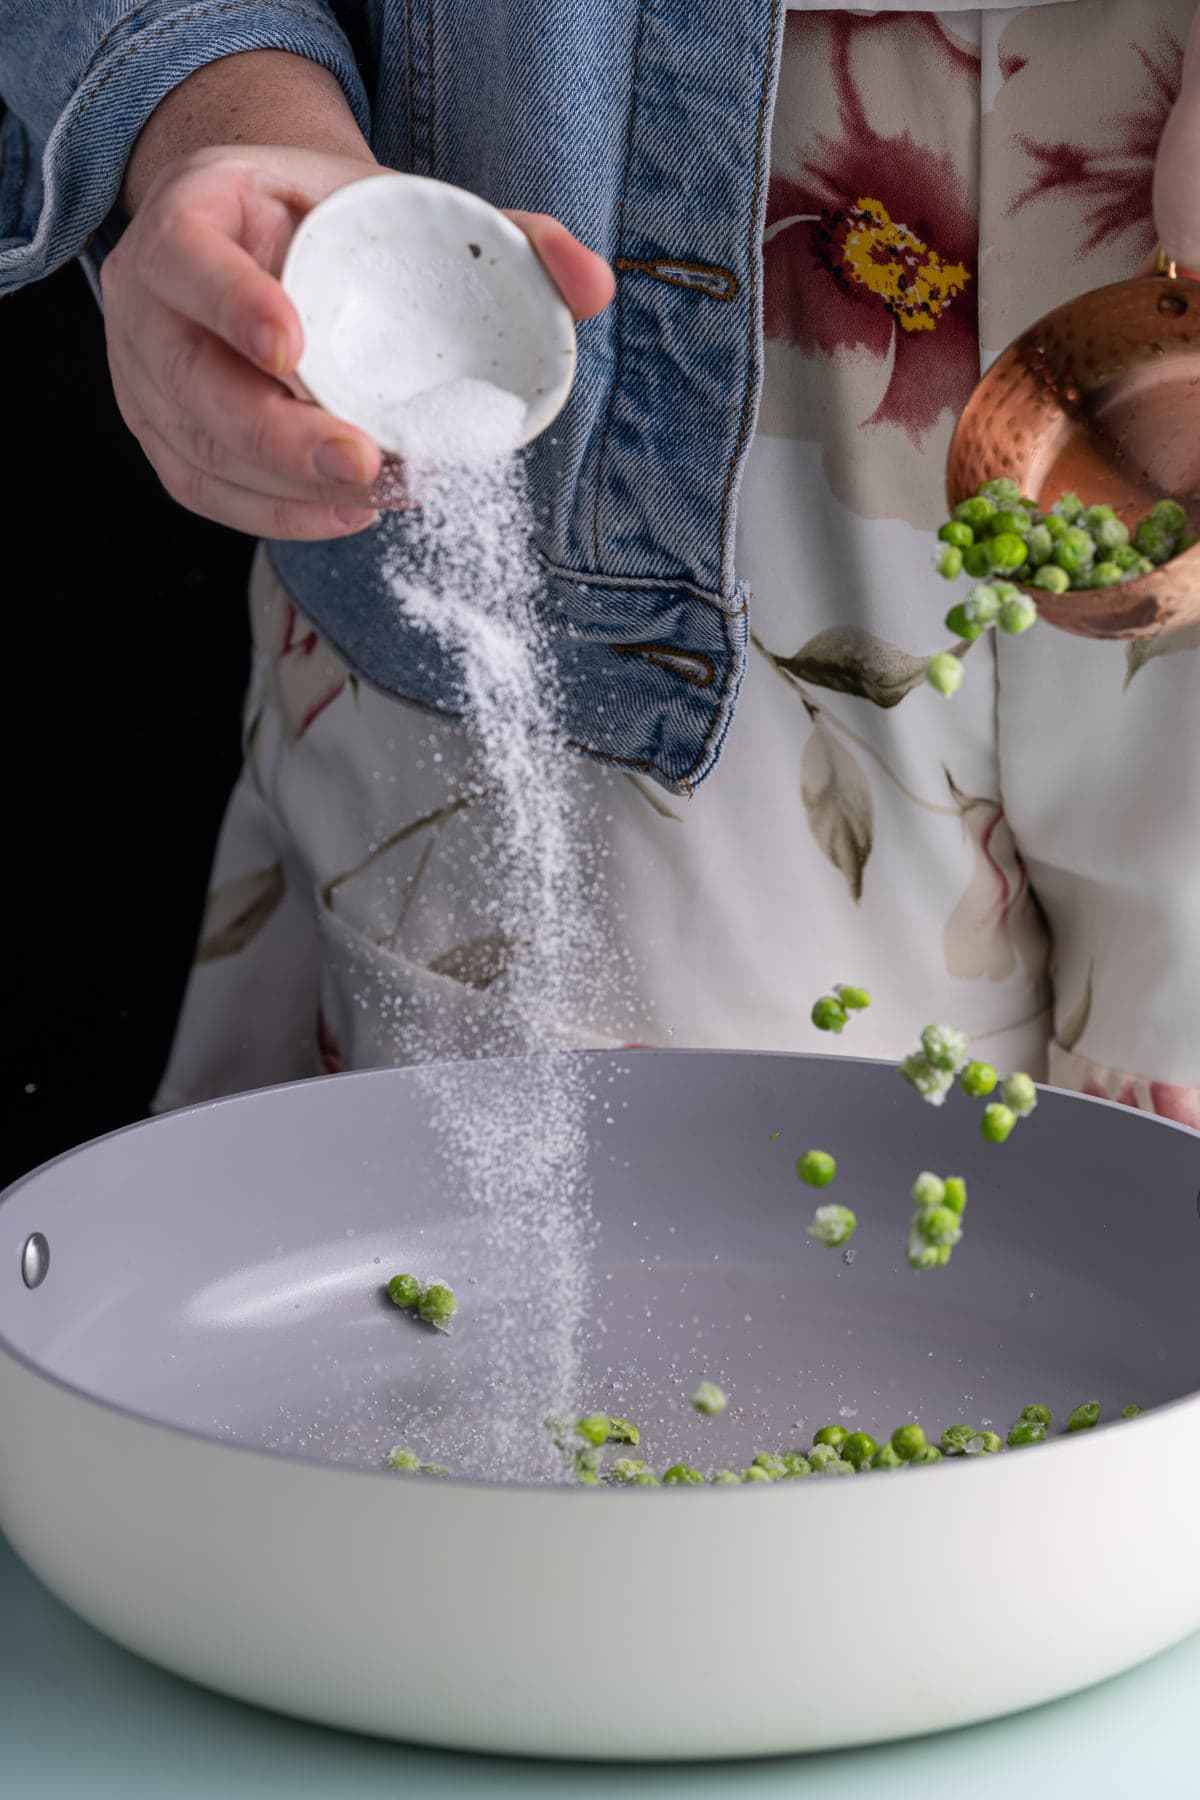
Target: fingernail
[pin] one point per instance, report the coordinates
(354, 518)
(339, 459)
(267, 347)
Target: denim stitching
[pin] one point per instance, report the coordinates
(670, 657)
(177, 19)
(752, 372)
(660, 584)
(408, 46)
(431, 123)
(118, 25)
(616, 374)
(665, 268)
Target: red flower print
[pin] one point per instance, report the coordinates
(870, 240)
(997, 918)
(1111, 181)
(1167, 1101)
(330, 1055)
(303, 674)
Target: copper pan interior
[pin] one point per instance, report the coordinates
(1102, 396)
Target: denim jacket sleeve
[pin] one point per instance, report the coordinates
(79, 81)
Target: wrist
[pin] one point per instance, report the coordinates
(263, 97)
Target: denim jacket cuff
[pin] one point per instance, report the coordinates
(59, 195)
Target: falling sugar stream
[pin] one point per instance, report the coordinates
(519, 1148)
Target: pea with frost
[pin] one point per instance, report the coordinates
(709, 1400)
(832, 1226)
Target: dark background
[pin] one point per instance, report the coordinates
(124, 661)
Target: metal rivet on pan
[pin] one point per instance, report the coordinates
(35, 1260)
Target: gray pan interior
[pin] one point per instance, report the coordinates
(221, 1269)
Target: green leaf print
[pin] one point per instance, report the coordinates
(1141, 650)
(837, 800)
(852, 661)
(237, 911)
(477, 963)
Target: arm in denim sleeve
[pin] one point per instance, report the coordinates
(78, 83)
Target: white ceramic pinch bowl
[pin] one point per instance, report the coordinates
(403, 284)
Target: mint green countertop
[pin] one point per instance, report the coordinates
(79, 1717)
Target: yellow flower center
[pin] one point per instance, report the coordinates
(891, 262)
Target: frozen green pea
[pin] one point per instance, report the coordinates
(709, 1399)
(886, 1457)
(939, 1225)
(828, 1013)
(836, 1467)
(1014, 520)
(1105, 575)
(859, 1448)
(437, 1305)
(955, 1195)
(832, 1225)
(1131, 1412)
(962, 625)
(645, 1479)
(624, 1469)
(401, 1457)
(593, 1428)
(816, 1168)
(823, 1456)
(1169, 514)
(854, 999)
(977, 562)
(682, 1475)
(1018, 1092)
(1026, 1431)
(772, 1466)
(997, 1122)
(1040, 1415)
(949, 562)
(588, 1464)
(985, 1443)
(1110, 534)
(1068, 506)
(958, 533)
(943, 1255)
(1143, 566)
(919, 1255)
(755, 1473)
(438, 1469)
(1017, 615)
(1006, 551)
(1056, 526)
(956, 1438)
(983, 602)
(621, 1431)
(929, 1453)
(1002, 490)
(1083, 1417)
(1050, 578)
(1154, 540)
(906, 1440)
(834, 1435)
(1124, 556)
(1039, 545)
(928, 1189)
(944, 672)
(724, 1478)
(944, 1047)
(1074, 551)
(978, 1079)
(975, 512)
(404, 1290)
(795, 1464)
(932, 1084)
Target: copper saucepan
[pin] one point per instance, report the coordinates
(1102, 396)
